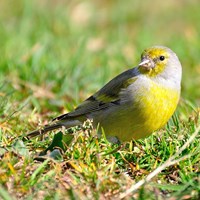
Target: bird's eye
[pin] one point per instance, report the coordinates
(162, 58)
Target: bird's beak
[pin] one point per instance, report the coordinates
(147, 64)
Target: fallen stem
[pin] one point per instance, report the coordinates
(171, 161)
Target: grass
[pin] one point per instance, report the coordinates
(49, 54)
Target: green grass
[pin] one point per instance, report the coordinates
(53, 55)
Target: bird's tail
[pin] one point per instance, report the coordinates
(55, 125)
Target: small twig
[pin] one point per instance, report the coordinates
(169, 162)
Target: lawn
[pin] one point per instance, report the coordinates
(53, 55)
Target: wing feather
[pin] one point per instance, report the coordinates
(107, 96)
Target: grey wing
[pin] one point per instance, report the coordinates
(105, 97)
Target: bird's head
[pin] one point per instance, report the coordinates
(159, 60)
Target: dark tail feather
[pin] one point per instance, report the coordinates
(59, 124)
(43, 130)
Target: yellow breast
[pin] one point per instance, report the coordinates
(155, 108)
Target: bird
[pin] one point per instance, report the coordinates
(134, 104)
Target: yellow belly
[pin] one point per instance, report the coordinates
(150, 112)
(157, 108)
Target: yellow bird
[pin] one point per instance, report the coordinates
(135, 103)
